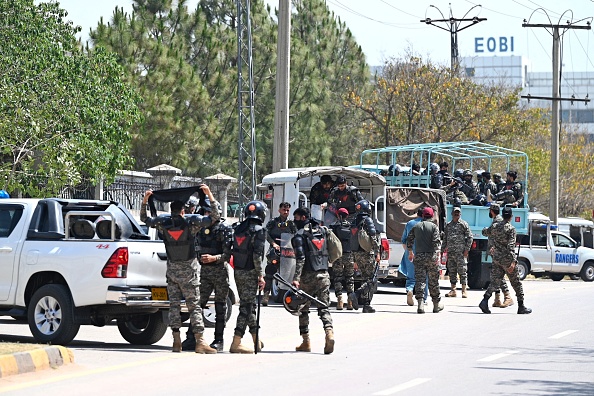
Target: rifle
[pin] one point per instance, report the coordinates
(257, 340)
(299, 292)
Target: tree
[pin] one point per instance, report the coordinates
(64, 114)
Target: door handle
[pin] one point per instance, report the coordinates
(6, 249)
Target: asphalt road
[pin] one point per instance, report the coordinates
(459, 351)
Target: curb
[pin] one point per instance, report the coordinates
(35, 360)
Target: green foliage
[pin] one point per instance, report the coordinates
(64, 114)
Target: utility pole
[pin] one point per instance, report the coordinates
(556, 98)
(280, 152)
(454, 28)
(245, 106)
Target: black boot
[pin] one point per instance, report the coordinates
(484, 305)
(522, 309)
(368, 309)
(189, 343)
(218, 345)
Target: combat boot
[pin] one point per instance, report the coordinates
(464, 291)
(452, 292)
(437, 306)
(522, 309)
(507, 300)
(177, 345)
(354, 300)
(218, 345)
(368, 309)
(260, 343)
(266, 298)
(339, 302)
(421, 306)
(305, 344)
(409, 298)
(201, 346)
(497, 302)
(329, 347)
(189, 343)
(236, 346)
(349, 304)
(484, 305)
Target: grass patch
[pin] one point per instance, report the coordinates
(14, 347)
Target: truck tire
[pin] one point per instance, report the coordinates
(384, 281)
(209, 314)
(51, 315)
(557, 277)
(587, 273)
(523, 270)
(143, 329)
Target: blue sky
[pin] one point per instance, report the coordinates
(390, 28)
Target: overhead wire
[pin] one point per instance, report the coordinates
(390, 24)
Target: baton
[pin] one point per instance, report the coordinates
(257, 341)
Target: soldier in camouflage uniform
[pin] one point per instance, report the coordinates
(182, 277)
(494, 214)
(344, 267)
(457, 241)
(213, 247)
(311, 275)
(366, 261)
(248, 250)
(503, 236)
(274, 229)
(511, 193)
(428, 243)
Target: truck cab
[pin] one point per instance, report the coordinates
(474, 156)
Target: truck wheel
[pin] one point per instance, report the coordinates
(399, 282)
(557, 277)
(587, 273)
(522, 269)
(209, 314)
(51, 315)
(143, 329)
(384, 281)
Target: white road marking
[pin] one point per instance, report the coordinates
(497, 356)
(401, 387)
(562, 334)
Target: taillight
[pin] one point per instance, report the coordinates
(117, 265)
(385, 251)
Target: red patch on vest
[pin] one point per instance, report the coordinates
(318, 243)
(354, 230)
(344, 198)
(240, 240)
(175, 234)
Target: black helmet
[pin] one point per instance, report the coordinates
(255, 210)
(294, 303)
(459, 173)
(363, 206)
(467, 172)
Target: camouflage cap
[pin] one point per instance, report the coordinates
(495, 206)
(496, 175)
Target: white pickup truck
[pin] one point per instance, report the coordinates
(66, 263)
(548, 251)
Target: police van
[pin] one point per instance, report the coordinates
(293, 185)
(545, 250)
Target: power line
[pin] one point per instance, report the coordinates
(357, 13)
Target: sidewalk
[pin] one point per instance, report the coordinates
(35, 360)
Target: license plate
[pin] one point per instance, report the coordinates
(159, 293)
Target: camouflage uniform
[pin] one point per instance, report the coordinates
(503, 236)
(215, 240)
(457, 239)
(246, 278)
(315, 282)
(504, 287)
(343, 268)
(274, 229)
(182, 279)
(428, 247)
(511, 193)
(366, 260)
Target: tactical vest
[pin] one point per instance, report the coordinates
(343, 232)
(316, 254)
(179, 242)
(208, 240)
(355, 247)
(243, 249)
(279, 227)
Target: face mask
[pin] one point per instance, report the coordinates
(300, 223)
(490, 215)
